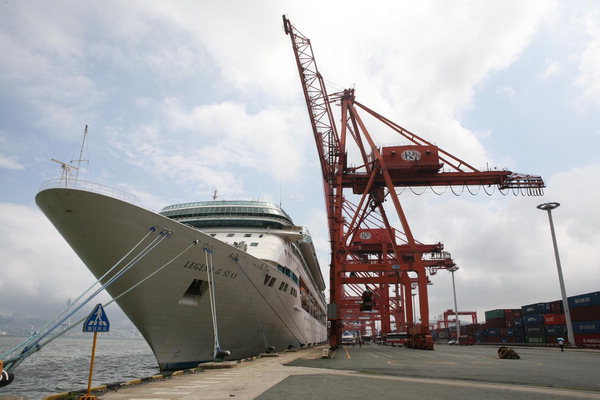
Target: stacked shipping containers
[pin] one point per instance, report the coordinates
(585, 317)
(541, 323)
(545, 322)
(500, 326)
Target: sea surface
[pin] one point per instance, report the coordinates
(64, 364)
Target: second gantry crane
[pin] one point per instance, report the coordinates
(369, 257)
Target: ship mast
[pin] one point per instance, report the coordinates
(85, 131)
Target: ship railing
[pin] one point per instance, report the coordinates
(91, 187)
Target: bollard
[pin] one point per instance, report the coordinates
(5, 377)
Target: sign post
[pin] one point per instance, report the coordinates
(95, 322)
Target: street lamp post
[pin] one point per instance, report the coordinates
(413, 294)
(452, 269)
(549, 207)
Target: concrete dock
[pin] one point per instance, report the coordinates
(381, 372)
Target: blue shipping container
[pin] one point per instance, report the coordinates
(493, 332)
(583, 300)
(556, 330)
(533, 319)
(535, 330)
(538, 308)
(518, 322)
(586, 327)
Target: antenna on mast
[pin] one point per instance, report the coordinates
(85, 131)
(66, 170)
(215, 194)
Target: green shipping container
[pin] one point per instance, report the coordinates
(535, 339)
(493, 314)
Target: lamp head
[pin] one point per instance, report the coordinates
(548, 206)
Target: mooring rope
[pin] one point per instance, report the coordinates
(260, 324)
(267, 301)
(33, 344)
(290, 315)
(35, 334)
(210, 271)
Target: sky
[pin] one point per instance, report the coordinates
(185, 98)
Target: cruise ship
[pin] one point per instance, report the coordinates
(202, 280)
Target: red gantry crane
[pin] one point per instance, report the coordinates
(370, 258)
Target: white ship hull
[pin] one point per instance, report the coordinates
(251, 315)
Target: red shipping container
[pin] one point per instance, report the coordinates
(554, 319)
(556, 307)
(588, 339)
(553, 339)
(512, 313)
(496, 323)
(588, 313)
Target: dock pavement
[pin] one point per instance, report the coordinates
(383, 372)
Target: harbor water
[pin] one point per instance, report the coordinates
(63, 365)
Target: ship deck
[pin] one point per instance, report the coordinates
(382, 372)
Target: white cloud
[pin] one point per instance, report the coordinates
(507, 91)
(551, 69)
(589, 65)
(8, 161)
(39, 270)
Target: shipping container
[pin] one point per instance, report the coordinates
(556, 307)
(492, 332)
(518, 322)
(586, 327)
(512, 313)
(559, 330)
(554, 319)
(587, 340)
(518, 331)
(537, 308)
(493, 314)
(583, 300)
(539, 329)
(493, 339)
(495, 323)
(533, 319)
(535, 339)
(587, 313)
(520, 338)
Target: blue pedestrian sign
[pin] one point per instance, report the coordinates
(96, 321)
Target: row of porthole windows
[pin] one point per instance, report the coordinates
(288, 272)
(283, 286)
